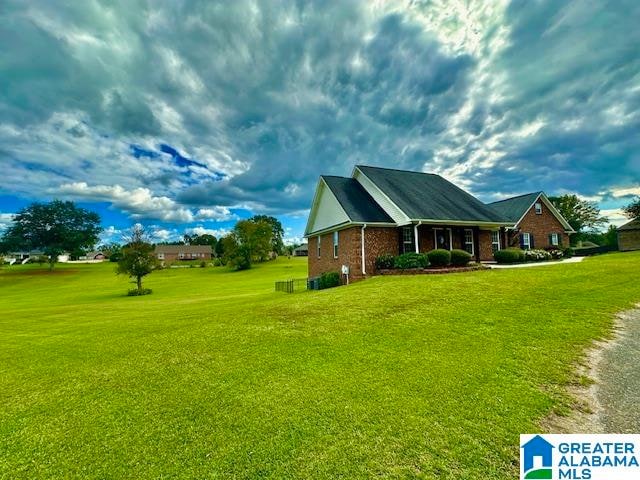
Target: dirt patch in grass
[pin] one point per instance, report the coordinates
(606, 389)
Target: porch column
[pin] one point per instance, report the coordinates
(476, 242)
(415, 237)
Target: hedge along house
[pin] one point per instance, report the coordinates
(382, 211)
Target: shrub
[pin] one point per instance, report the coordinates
(536, 255)
(439, 257)
(203, 264)
(329, 280)
(568, 252)
(134, 292)
(411, 260)
(460, 258)
(384, 261)
(509, 255)
(217, 262)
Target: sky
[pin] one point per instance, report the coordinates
(188, 115)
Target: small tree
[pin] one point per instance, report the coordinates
(55, 228)
(137, 258)
(581, 214)
(633, 209)
(277, 232)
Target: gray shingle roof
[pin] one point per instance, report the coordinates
(356, 201)
(514, 208)
(426, 196)
(632, 225)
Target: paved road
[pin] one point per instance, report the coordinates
(618, 389)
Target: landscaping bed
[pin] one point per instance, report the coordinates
(428, 271)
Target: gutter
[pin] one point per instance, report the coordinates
(364, 268)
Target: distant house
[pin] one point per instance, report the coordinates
(301, 251)
(629, 236)
(386, 211)
(25, 256)
(172, 253)
(92, 256)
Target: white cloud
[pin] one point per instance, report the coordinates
(141, 203)
(625, 192)
(5, 220)
(615, 216)
(199, 230)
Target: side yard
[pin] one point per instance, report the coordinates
(217, 376)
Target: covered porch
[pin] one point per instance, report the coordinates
(479, 241)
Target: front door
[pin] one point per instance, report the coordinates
(443, 238)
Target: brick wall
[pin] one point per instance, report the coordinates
(378, 241)
(629, 240)
(540, 226)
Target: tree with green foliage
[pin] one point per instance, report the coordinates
(204, 239)
(581, 214)
(277, 232)
(112, 251)
(633, 209)
(219, 248)
(137, 259)
(250, 241)
(54, 228)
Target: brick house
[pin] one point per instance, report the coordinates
(385, 211)
(172, 253)
(629, 236)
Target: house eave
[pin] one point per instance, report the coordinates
(342, 226)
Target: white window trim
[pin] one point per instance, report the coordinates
(473, 250)
(555, 239)
(527, 244)
(318, 248)
(497, 232)
(405, 242)
(336, 241)
(161, 256)
(538, 208)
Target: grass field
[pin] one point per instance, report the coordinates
(214, 375)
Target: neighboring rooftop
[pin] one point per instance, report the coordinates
(632, 225)
(356, 201)
(427, 196)
(514, 208)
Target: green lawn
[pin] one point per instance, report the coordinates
(214, 375)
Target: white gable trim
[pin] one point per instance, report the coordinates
(551, 208)
(338, 216)
(381, 198)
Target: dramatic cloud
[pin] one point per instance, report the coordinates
(188, 112)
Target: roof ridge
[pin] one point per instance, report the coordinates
(399, 170)
(517, 196)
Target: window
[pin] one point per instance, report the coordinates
(180, 255)
(538, 208)
(554, 240)
(161, 256)
(526, 241)
(495, 240)
(468, 240)
(407, 239)
(335, 244)
(319, 238)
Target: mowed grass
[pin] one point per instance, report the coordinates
(214, 375)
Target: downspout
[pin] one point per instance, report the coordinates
(364, 268)
(415, 235)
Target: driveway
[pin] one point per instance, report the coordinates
(618, 388)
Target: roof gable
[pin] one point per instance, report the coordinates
(514, 208)
(632, 225)
(424, 196)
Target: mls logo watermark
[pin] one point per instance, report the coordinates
(580, 457)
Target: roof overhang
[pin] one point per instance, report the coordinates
(342, 226)
(466, 223)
